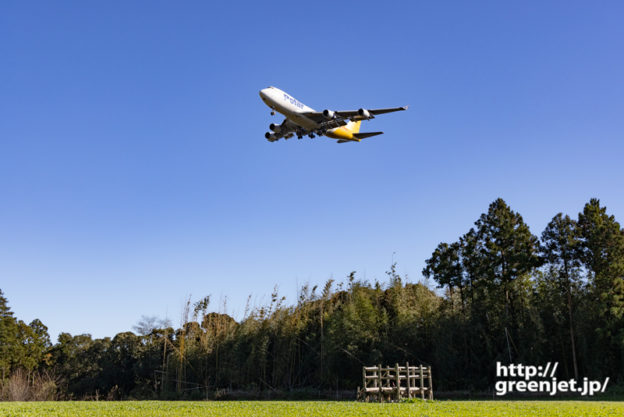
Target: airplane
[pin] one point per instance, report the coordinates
(302, 120)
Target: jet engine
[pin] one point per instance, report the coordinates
(329, 114)
(275, 128)
(364, 113)
(269, 136)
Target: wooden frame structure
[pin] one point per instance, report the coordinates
(395, 383)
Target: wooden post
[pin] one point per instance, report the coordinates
(397, 377)
(422, 383)
(430, 384)
(374, 374)
(380, 383)
(364, 377)
(409, 384)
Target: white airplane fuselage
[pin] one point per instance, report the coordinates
(289, 106)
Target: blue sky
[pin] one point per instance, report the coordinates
(134, 170)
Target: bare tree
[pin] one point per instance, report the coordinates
(148, 324)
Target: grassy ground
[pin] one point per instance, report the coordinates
(313, 408)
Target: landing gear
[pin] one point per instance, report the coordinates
(272, 112)
(311, 135)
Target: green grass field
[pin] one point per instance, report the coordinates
(312, 408)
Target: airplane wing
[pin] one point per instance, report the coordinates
(361, 114)
(374, 112)
(286, 130)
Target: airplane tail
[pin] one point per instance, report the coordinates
(354, 127)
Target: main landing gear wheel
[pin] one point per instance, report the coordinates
(311, 135)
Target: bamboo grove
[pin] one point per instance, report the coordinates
(497, 293)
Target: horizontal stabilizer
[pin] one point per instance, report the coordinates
(366, 135)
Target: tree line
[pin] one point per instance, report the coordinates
(503, 294)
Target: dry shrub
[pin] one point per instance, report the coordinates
(23, 386)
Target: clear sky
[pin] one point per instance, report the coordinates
(134, 169)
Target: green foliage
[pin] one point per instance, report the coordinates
(602, 249)
(22, 346)
(602, 255)
(501, 305)
(559, 288)
(8, 337)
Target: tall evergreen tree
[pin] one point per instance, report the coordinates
(561, 249)
(506, 253)
(8, 337)
(446, 268)
(602, 246)
(602, 253)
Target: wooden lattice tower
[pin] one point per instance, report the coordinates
(395, 383)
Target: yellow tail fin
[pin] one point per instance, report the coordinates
(354, 127)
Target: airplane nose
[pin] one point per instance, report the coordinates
(263, 93)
